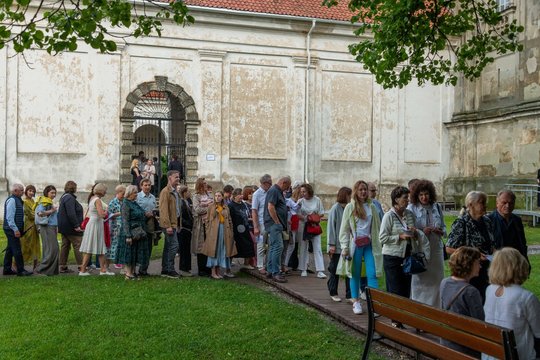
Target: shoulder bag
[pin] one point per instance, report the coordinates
(414, 264)
(137, 233)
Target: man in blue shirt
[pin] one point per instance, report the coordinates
(147, 201)
(275, 222)
(14, 228)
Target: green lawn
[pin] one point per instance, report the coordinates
(90, 318)
(94, 317)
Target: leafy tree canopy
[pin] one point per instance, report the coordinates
(58, 25)
(431, 40)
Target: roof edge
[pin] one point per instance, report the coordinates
(268, 15)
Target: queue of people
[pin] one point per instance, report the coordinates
(268, 225)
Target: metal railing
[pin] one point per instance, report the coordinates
(530, 192)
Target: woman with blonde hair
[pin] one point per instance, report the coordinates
(30, 245)
(509, 305)
(359, 240)
(201, 202)
(473, 228)
(93, 241)
(136, 176)
(219, 245)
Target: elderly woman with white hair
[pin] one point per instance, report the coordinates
(93, 241)
(473, 228)
(132, 250)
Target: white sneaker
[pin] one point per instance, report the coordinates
(357, 308)
(363, 296)
(321, 275)
(304, 273)
(335, 298)
(106, 273)
(84, 273)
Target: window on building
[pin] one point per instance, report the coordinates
(504, 4)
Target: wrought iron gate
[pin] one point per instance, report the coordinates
(160, 131)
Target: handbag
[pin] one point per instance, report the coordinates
(314, 218)
(414, 264)
(361, 241)
(344, 267)
(313, 228)
(41, 220)
(137, 233)
(85, 222)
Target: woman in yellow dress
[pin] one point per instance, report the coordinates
(30, 246)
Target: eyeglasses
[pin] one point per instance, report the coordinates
(373, 190)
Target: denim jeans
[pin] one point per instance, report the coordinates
(13, 250)
(275, 248)
(366, 253)
(170, 248)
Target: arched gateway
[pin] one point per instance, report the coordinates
(160, 119)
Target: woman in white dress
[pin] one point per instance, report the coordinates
(429, 218)
(93, 241)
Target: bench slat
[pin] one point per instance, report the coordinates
(463, 323)
(478, 335)
(438, 328)
(420, 343)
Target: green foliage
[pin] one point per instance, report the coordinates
(410, 38)
(58, 26)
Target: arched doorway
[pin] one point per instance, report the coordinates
(160, 119)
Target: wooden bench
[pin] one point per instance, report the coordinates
(472, 333)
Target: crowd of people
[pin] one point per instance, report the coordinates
(274, 227)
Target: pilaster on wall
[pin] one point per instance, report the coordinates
(216, 129)
(3, 120)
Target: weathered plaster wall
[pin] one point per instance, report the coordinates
(495, 133)
(252, 89)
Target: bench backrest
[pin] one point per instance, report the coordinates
(472, 333)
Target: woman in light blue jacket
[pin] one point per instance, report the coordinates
(429, 219)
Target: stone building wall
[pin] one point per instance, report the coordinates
(494, 134)
(253, 107)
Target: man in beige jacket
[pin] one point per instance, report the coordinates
(169, 214)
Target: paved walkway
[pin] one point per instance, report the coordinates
(314, 292)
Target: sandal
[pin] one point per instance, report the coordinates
(130, 277)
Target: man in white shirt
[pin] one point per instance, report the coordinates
(257, 209)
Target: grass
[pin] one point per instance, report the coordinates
(94, 317)
(98, 317)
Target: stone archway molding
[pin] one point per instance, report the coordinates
(127, 150)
